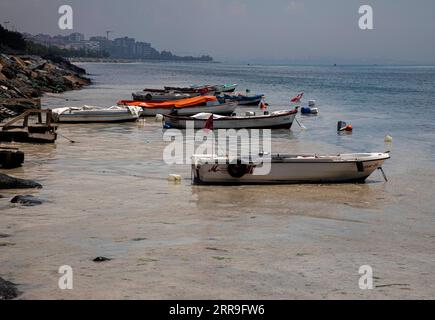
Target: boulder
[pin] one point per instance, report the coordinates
(8, 290)
(28, 200)
(101, 259)
(8, 182)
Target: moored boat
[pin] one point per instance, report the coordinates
(287, 169)
(245, 99)
(205, 89)
(273, 120)
(96, 114)
(229, 87)
(184, 107)
(161, 96)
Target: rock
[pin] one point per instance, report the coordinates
(4, 235)
(8, 182)
(27, 200)
(101, 259)
(138, 239)
(8, 290)
(10, 159)
(34, 75)
(6, 244)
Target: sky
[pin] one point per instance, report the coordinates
(273, 31)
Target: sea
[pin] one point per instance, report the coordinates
(107, 194)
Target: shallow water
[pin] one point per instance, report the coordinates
(108, 195)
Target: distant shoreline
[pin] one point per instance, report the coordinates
(117, 60)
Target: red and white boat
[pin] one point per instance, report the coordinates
(287, 168)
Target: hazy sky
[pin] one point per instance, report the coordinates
(293, 31)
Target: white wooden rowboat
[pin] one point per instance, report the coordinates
(96, 114)
(274, 120)
(286, 169)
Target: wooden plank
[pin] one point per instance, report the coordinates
(25, 115)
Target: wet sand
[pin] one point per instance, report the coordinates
(183, 241)
(108, 195)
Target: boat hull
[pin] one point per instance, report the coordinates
(222, 109)
(282, 120)
(226, 88)
(292, 172)
(245, 100)
(250, 102)
(96, 117)
(161, 97)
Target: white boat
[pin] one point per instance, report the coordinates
(223, 109)
(287, 169)
(276, 119)
(225, 87)
(96, 114)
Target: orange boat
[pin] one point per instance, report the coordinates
(195, 101)
(187, 106)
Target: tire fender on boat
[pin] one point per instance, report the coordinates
(237, 170)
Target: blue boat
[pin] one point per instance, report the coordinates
(245, 99)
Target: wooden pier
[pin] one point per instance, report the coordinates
(20, 129)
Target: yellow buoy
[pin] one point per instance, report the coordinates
(388, 139)
(174, 178)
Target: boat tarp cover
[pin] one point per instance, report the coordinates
(134, 110)
(182, 103)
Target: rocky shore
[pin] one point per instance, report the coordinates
(29, 76)
(8, 290)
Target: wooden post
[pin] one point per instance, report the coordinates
(48, 117)
(38, 106)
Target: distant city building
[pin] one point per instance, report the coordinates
(123, 48)
(98, 38)
(76, 37)
(144, 49)
(119, 48)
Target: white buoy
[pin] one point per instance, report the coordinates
(388, 139)
(174, 178)
(159, 117)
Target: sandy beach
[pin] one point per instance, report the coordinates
(108, 195)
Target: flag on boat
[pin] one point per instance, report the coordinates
(263, 105)
(297, 98)
(209, 124)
